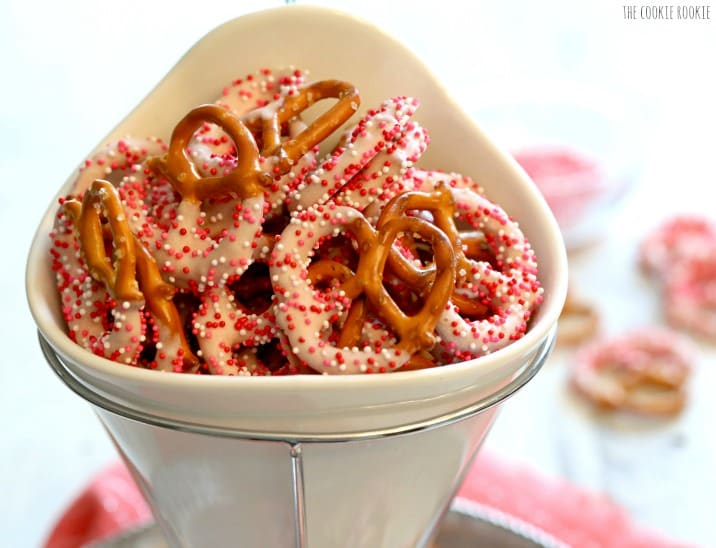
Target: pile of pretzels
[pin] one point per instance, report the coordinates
(240, 248)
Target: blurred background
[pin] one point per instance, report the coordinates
(636, 96)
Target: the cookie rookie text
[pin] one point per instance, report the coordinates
(666, 12)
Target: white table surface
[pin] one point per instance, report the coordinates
(72, 69)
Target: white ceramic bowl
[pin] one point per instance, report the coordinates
(306, 406)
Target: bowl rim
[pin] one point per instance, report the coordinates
(490, 400)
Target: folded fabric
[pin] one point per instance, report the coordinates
(570, 514)
(112, 503)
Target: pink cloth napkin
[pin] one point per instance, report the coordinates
(112, 503)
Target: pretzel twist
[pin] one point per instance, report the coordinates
(247, 180)
(213, 152)
(192, 257)
(415, 332)
(86, 303)
(644, 371)
(131, 275)
(441, 204)
(118, 274)
(304, 313)
(268, 120)
(496, 285)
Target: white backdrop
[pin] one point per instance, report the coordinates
(72, 69)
